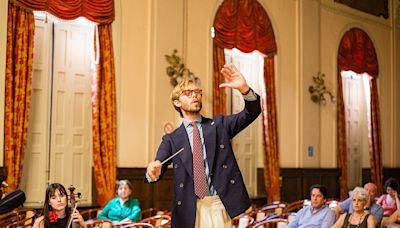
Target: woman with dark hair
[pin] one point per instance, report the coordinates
(390, 201)
(55, 212)
(122, 208)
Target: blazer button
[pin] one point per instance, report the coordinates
(181, 185)
(224, 166)
(221, 146)
(232, 181)
(176, 166)
(179, 202)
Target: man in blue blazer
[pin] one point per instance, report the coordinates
(209, 194)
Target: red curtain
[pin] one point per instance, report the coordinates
(357, 53)
(244, 24)
(104, 117)
(269, 117)
(219, 104)
(99, 11)
(19, 60)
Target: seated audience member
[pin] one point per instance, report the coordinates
(122, 208)
(393, 220)
(390, 201)
(317, 214)
(359, 217)
(55, 209)
(371, 206)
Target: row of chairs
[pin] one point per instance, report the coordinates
(20, 217)
(152, 217)
(25, 217)
(276, 214)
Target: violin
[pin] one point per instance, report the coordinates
(73, 201)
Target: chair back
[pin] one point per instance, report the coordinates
(21, 217)
(242, 221)
(271, 223)
(294, 207)
(90, 214)
(138, 225)
(158, 220)
(152, 212)
(100, 224)
(27, 222)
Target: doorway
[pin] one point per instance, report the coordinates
(59, 133)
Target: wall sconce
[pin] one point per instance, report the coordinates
(177, 70)
(318, 91)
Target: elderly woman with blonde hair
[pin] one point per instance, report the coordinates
(360, 218)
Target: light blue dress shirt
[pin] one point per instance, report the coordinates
(323, 218)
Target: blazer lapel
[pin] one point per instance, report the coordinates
(182, 139)
(209, 134)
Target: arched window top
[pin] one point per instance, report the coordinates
(357, 53)
(244, 24)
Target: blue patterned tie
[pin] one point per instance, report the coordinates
(200, 180)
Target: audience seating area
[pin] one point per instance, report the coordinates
(277, 214)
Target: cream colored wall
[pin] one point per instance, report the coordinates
(149, 30)
(308, 33)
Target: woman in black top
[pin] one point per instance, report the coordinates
(55, 212)
(360, 218)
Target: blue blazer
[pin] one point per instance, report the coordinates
(224, 170)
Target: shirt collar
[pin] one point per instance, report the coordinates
(187, 122)
(311, 208)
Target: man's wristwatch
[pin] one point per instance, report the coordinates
(247, 92)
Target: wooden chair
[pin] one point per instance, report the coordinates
(8, 218)
(90, 214)
(100, 224)
(152, 212)
(138, 225)
(27, 222)
(242, 220)
(21, 217)
(271, 223)
(332, 203)
(294, 207)
(160, 221)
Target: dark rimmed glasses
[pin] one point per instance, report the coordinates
(191, 92)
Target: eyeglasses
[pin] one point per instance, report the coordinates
(190, 92)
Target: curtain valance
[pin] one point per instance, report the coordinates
(244, 25)
(99, 11)
(357, 53)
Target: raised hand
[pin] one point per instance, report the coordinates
(235, 79)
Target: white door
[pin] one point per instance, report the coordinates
(356, 125)
(70, 154)
(59, 132)
(34, 175)
(249, 141)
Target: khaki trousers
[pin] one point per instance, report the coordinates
(211, 213)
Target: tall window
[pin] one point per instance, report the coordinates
(248, 144)
(356, 96)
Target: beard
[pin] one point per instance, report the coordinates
(192, 108)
